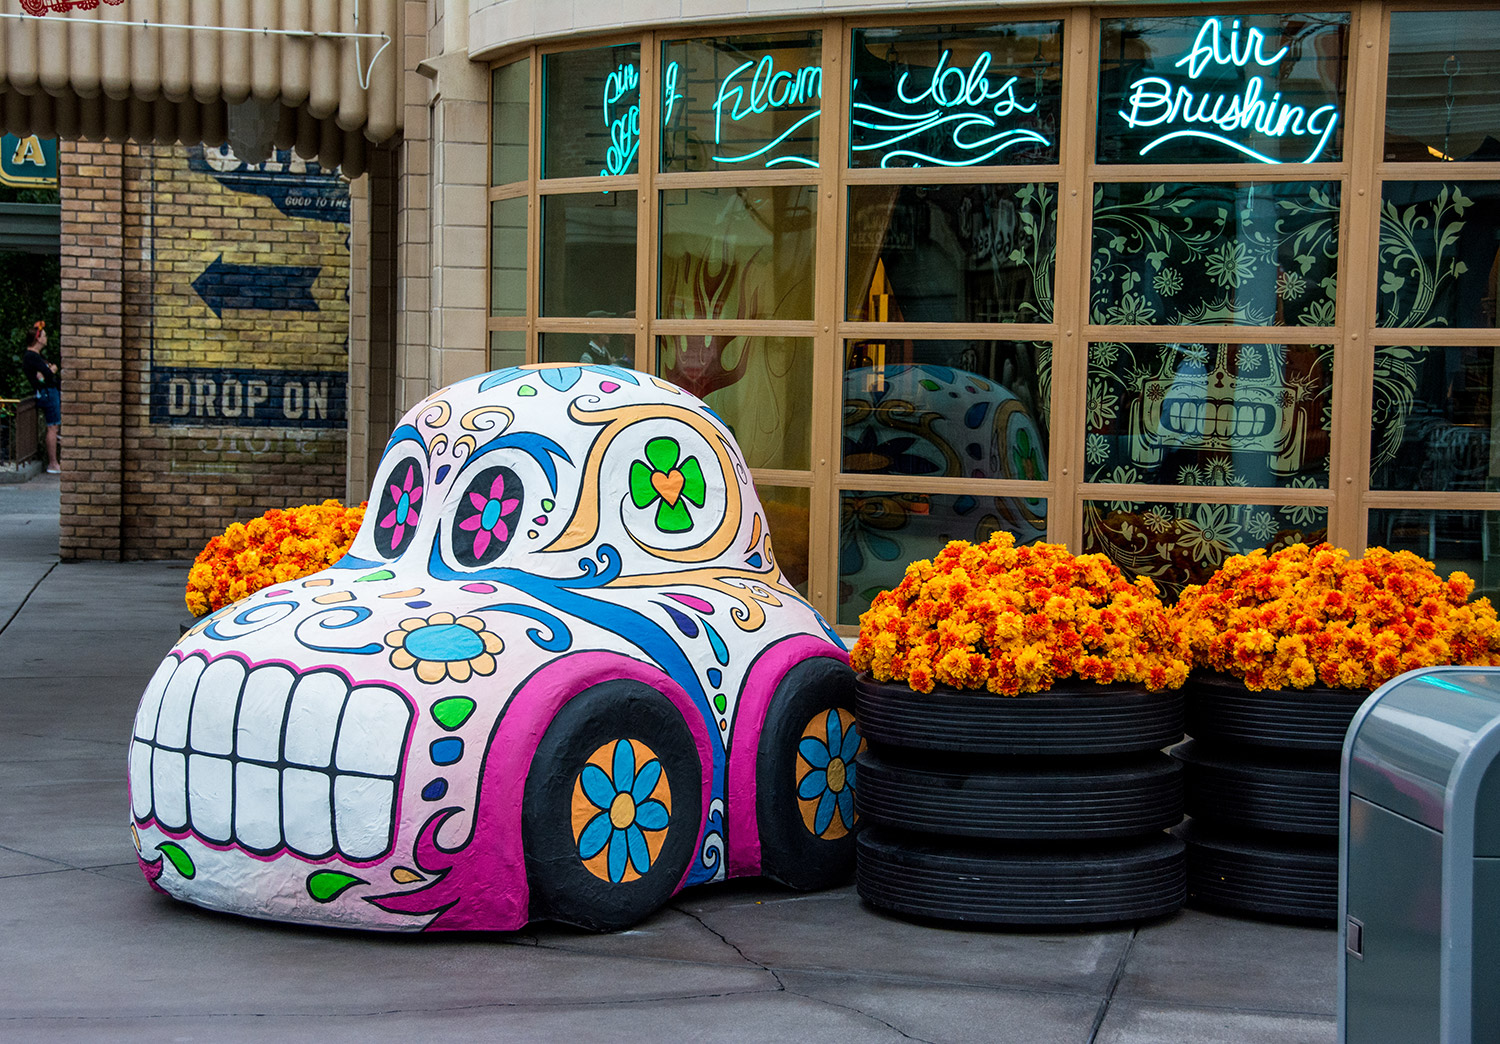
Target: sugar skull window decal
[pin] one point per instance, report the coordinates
(400, 506)
(488, 511)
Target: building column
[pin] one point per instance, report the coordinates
(92, 348)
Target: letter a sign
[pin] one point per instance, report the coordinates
(28, 161)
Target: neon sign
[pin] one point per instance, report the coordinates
(755, 88)
(966, 105)
(623, 120)
(1197, 111)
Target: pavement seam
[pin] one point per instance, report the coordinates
(1114, 982)
(29, 593)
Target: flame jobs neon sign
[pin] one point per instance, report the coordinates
(755, 88)
(965, 103)
(1156, 102)
(622, 115)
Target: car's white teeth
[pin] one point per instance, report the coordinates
(210, 796)
(312, 719)
(212, 727)
(264, 758)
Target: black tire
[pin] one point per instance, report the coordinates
(1266, 876)
(1057, 886)
(1051, 801)
(792, 849)
(1261, 789)
(1072, 718)
(564, 887)
(1221, 709)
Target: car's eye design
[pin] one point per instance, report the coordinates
(488, 511)
(400, 507)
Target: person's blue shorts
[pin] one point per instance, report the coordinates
(51, 402)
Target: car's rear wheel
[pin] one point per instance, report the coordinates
(805, 777)
(613, 808)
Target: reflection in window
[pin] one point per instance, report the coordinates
(1242, 89)
(598, 348)
(1180, 544)
(1442, 98)
(510, 122)
(1434, 414)
(1439, 253)
(787, 512)
(591, 112)
(507, 348)
(1209, 414)
(1450, 540)
(741, 102)
(588, 254)
(951, 253)
(760, 386)
(508, 256)
(738, 253)
(1192, 254)
(971, 409)
(880, 533)
(955, 96)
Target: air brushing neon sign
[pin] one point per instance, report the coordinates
(622, 115)
(1239, 118)
(754, 88)
(967, 115)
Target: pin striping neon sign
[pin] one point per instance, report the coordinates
(1155, 101)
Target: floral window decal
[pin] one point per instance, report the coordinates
(399, 513)
(660, 479)
(487, 516)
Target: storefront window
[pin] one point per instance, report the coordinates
(596, 348)
(738, 253)
(1222, 89)
(591, 112)
(507, 348)
(741, 102)
(787, 512)
(1439, 253)
(508, 257)
(1180, 544)
(1209, 414)
(1253, 254)
(1451, 540)
(952, 253)
(588, 254)
(971, 409)
(1442, 95)
(955, 96)
(1434, 415)
(760, 386)
(880, 533)
(510, 122)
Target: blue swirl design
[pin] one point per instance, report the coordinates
(559, 637)
(403, 433)
(357, 615)
(899, 126)
(250, 620)
(538, 447)
(711, 862)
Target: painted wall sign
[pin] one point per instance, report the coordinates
(245, 398)
(297, 188)
(28, 161)
(269, 288)
(1223, 89)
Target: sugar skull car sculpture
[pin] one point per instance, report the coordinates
(559, 674)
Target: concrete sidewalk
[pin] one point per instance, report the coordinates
(91, 953)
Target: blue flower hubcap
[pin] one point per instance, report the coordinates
(826, 773)
(622, 808)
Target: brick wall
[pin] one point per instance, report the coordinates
(205, 339)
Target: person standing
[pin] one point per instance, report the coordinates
(48, 387)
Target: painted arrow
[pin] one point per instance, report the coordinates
(270, 288)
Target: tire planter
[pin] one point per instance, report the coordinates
(1261, 790)
(1042, 809)
(1280, 877)
(1221, 710)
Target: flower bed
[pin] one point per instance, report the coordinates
(277, 547)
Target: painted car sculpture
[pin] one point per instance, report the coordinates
(558, 675)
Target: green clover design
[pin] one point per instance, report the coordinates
(660, 477)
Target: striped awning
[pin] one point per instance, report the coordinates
(321, 76)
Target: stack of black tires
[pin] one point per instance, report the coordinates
(1262, 791)
(1042, 809)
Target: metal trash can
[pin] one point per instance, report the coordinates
(1419, 861)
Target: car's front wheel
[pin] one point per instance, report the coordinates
(612, 808)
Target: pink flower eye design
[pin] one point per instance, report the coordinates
(487, 516)
(396, 521)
